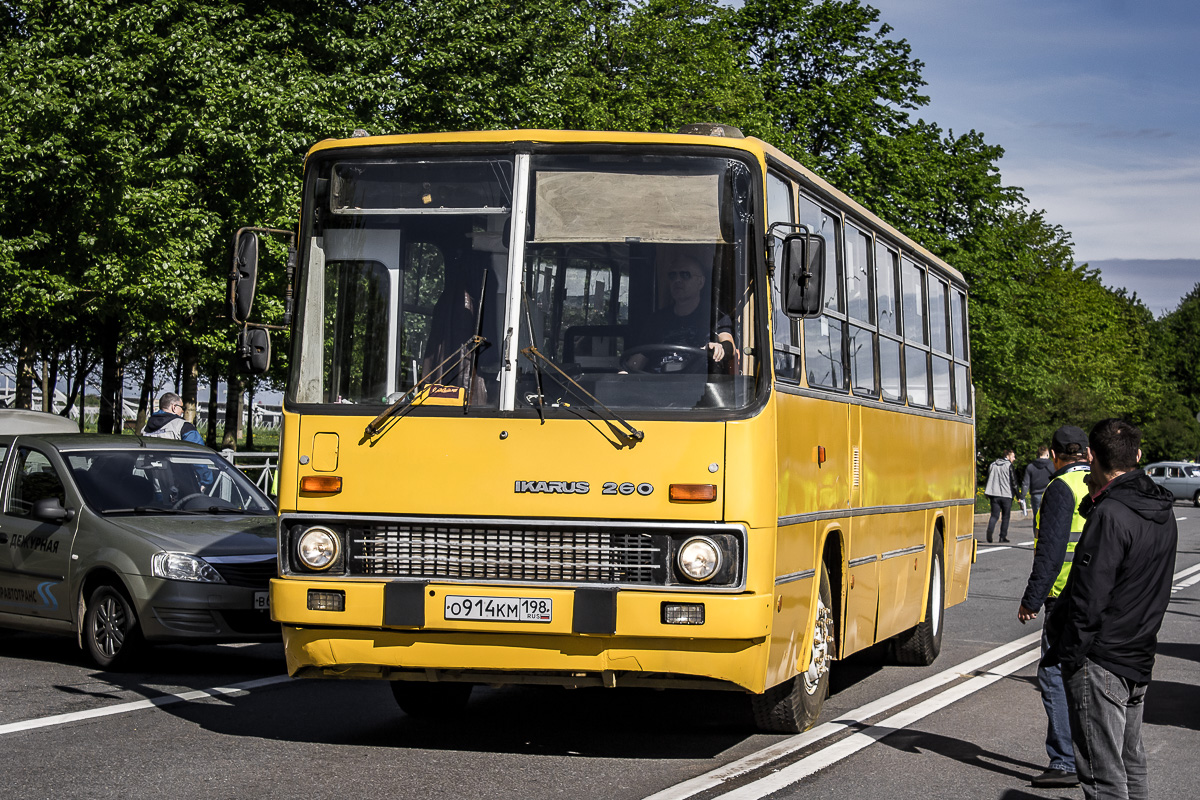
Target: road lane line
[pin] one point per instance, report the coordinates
(139, 705)
(1185, 572)
(1179, 587)
(844, 748)
(851, 719)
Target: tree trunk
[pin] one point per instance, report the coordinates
(146, 397)
(233, 411)
(25, 356)
(250, 414)
(110, 386)
(210, 436)
(190, 367)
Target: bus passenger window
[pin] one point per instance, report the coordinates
(890, 379)
(916, 341)
(862, 361)
(781, 209)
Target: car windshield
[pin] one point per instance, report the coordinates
(163, 481)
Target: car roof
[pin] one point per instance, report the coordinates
(1172, 464)
(16, 421)
(66, 442)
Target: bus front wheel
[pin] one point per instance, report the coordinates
(794, 705)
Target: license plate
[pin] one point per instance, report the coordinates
(500, 609)
(262, 601)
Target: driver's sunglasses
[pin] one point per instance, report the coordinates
(683, 275)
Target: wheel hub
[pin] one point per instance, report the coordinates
(822, 637)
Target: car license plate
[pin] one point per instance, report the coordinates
(262, 601)
(500, 609)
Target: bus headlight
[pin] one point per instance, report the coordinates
(699, 558)
(317, 548)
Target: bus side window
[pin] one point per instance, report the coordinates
(781, 208)
(825, 336)
(887, 306)
(860, 308)
(916, 333)
(959, 342)
(939, 342)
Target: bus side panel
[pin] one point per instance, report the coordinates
(902, 578)
(791, 627)
(960, 549)
(806, 484)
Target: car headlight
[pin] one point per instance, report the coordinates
(699, 558)
(317, 548)
(183, 567)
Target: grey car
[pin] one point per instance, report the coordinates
(1181, 478)
(124, 540)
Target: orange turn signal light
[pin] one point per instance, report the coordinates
(322, 484)
(693, 492)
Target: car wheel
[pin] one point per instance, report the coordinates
(795, 705)
(431, 701)
(1196, 499)
(919, 646)
(111, 633)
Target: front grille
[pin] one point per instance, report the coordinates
(466, 552)
(250, 575)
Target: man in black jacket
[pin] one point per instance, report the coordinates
(1104, 628)
(1037, 477)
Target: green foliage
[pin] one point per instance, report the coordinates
(142, 133)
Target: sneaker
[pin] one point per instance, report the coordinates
(1055, 779)
(1004, 540)
(989, 539)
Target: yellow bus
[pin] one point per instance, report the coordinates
(611, 409)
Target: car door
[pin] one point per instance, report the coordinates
(1175, 483)
(35, 554)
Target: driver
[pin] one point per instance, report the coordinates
(685, 322)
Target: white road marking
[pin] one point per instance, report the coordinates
(755, 760)
(139, 705)
(1179, 587)
(1185, 572)
(847, 747)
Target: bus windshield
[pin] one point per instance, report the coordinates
(633, 278)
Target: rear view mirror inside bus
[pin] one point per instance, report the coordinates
(244, 276)
(803, 259)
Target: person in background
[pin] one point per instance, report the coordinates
(1037, 477)
(168, 421)
(999, 491)
(1058, 528)
(1104, 628)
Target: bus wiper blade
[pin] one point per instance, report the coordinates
(534, 355)
(448, 365)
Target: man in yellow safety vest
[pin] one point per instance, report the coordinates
(1058, 525)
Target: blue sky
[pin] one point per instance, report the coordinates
(1097, 105)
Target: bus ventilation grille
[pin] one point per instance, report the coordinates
(507, 554)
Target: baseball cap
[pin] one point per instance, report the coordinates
(1069, 441)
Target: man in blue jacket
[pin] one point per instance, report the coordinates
(1104, 629)
(168, 422)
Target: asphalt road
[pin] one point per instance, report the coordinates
(221, 722)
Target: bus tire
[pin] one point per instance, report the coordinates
(431, 701)
(794, 705)
(920, 645)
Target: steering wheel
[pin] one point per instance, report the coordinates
(181, 501)
(687, 359)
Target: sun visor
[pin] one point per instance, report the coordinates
(622, 207)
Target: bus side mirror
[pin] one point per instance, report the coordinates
(253, 350)
(804, 274)
(244, 276)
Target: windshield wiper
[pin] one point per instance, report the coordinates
(464, 350)
(591, 401)
(468, 349)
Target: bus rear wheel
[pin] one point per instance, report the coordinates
(795, 705)
(919, 646)
(431, 701)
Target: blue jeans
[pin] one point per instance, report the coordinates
(1035, 502)
(1001, 507)
(1054, 698)
(1106, 724)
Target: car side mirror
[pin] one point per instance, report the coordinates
(244, 276)
(804, 274)
(50, 509)
(253, 350)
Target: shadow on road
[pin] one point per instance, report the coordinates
(1173, 704)
(917, 742)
